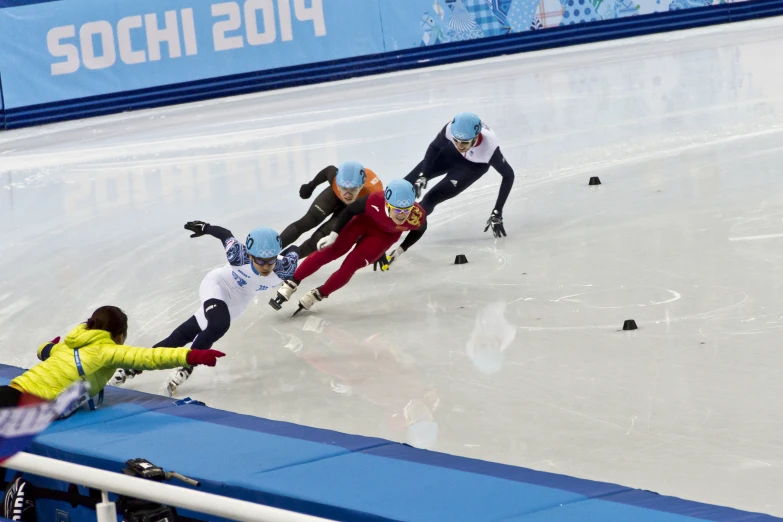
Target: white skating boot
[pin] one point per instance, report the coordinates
(309, 299)
(120, 376)
(177, 378)
(284, 293)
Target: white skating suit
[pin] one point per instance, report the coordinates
(238, 282)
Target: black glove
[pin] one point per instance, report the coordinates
(382, 262)
(197, 227)
(496, 222)
(305, 191)
(420, 185)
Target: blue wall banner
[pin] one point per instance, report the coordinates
(71, 59)
(414, 23)
(80, 48)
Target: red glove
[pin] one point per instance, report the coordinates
(56, 340)
(205, 357)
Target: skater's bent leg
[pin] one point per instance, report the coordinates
(311, 245)
(323, 205)
(438, 170)
(345, 241)
(366, 253)
(182, 334)
(450, 186)
(218, 322)
(414, 174)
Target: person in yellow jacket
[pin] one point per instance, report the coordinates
(93, 351)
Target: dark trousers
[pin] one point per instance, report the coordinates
(459, 176)
(218, 322)
(9, 397)
(325, 204)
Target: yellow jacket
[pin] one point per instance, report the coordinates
(100, 357)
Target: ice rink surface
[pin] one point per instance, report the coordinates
(518, 356)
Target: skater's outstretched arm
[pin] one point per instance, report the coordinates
(413, 236)
(236, 253)
(499, 163)
(356, 208)
(286, 266)
(326, 175)
(121, 356)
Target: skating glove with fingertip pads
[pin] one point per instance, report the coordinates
(197, 227)
(205, 357)
(382, 263)
(495, 222)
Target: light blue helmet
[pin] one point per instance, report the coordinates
(351, 175)
(400, 193)
(465, 126)
(264, 243)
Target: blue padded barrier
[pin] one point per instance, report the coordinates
(340, 476)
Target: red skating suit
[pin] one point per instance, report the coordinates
(373, 233)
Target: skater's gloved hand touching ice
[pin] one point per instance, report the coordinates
(205, 357)
(384, 262)
(197, 227)
(495, 222)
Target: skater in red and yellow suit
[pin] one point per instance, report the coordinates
(373, 224)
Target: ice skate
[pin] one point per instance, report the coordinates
(309, 299)
(284, 293)
(177, 378)
(120, 376)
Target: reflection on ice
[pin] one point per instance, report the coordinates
(491, 336)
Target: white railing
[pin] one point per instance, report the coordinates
(107, 482)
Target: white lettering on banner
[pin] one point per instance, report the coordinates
(234, 22)
(108, 53)
(315, 13)
(259, 20)
(156, 36)
(189, 32)
(265, 9)
(284, 12)
(127, 54)
(57, 49)
(269, 34)
(83, 51)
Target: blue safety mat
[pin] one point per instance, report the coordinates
(340, 476)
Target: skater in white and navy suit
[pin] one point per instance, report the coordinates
(463, 150)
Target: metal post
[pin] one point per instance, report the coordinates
(106, 511)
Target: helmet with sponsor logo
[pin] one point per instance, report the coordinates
(351, 175)
(465, 126)
(400, 194)
(264, 243)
